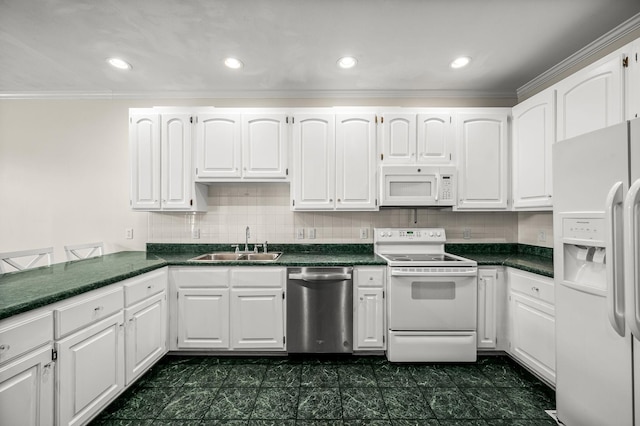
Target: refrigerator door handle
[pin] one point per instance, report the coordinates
(631, 257)
(614, 267)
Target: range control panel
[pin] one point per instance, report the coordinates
(434, 235)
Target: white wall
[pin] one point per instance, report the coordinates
(530, 226)
(64, 179)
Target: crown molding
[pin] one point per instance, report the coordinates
(265, 94)
(586, 52)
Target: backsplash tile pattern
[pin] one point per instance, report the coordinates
(264, 207)
(530, 226)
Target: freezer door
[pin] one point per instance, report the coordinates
(593, 362)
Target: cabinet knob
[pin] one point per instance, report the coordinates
(338, 199)
(536, 289)
(148, 287)
(98, 308)
(370, 278)
(4, 348)
(331, 200)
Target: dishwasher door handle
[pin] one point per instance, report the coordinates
(320, 277)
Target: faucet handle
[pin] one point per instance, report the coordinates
(255, 247)
(236, 246)
(264, 246)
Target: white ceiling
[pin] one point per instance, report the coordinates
(290, 47)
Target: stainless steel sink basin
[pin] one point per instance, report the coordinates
(233, 257)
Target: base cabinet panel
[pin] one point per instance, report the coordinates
(487, 308)
(257, 320)
(90, 370)
(370, 318)
(203, 318)
(26, 390)
(146, 335)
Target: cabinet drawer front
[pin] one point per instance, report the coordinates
(86, 311)
(369, 277)
(532, 285)
(258, 277)
(200, 277)
(16, 338)
(139, 288)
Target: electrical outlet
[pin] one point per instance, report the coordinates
(128, 233)
(299, 233)
(311, 233)
(364, 233)
(542, 236)
(195, 233)
(466, 233)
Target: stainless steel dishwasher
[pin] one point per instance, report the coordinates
(320, 310)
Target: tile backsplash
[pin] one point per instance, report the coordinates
(265, 208)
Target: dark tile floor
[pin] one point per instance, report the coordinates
(331, 391)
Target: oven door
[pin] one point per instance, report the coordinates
(430, 300)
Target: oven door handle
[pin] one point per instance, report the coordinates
(469, 273)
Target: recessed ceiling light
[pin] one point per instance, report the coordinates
(233, 63)
(460, 62)
(347, 62)
(120, 64)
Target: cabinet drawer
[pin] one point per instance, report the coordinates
(258, 277)
(535, 286)
(19, 337)
(369, 277)
(87, 310)
(200, 277)
(139, 288)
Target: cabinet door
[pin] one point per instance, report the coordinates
(483, 170)
(26, 390)
(533, 335)
(177, 180)
(203, 318)
(218, 146)
(356, 162)
(370, 318)
(632, 86)
(313, 162)
(592, 98)
(144, 152)
(398, 138)
(146, 335)
(487, 308)
(90, 370)
(436, 138)
(533, 137)
(257, 318)
(264, 146)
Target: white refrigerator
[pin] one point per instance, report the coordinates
(596, 186)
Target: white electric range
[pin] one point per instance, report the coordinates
(432, 297)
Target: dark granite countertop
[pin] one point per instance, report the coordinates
(27, 290)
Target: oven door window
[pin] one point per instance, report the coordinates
(445, 290)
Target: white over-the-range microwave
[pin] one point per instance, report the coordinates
(416, 185)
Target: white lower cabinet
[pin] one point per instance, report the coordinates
(487, 308)
(90, 370)
(27, 370)
(532, 322)
(369, 313)
(203, 318)
(238, 308)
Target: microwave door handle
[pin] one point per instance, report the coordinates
(437, 185)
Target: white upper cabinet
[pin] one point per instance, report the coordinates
(264, 146)
(144, 152)
(218, 146)
(436, 138)
(161, 162)
(356, 162)
(313, 186)
(592, 98)
(533, 137)
(236, 146)
(334, 161)
(483, 169)
(633, 80)
(398, 138)
(426, 138)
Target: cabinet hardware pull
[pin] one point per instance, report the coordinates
(148, 287)
(4, 348)
(536, 289)
(99, 308)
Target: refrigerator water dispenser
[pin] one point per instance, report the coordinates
(584, 254)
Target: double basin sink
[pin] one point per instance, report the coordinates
(237, 257)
